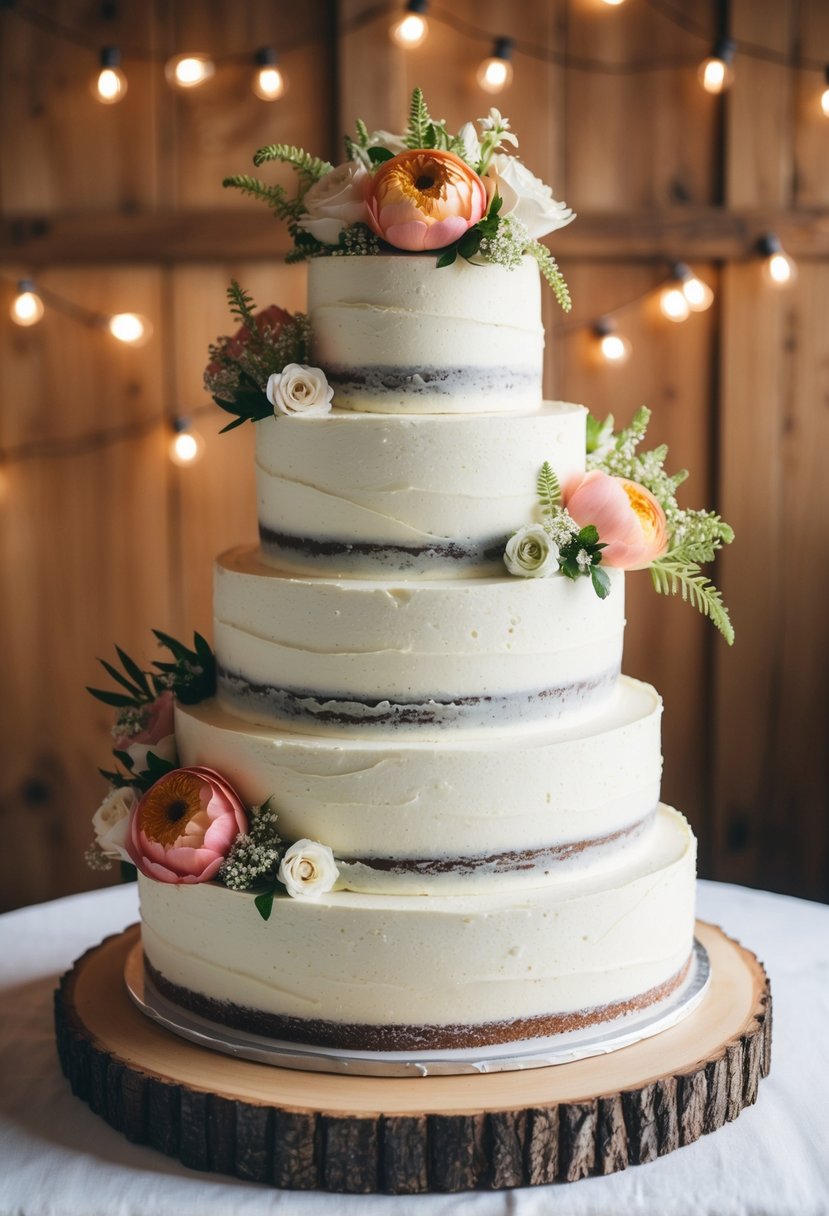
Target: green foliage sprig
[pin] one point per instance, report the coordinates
(579, 549)
(549, 269)
(695, 536)
(239, 367)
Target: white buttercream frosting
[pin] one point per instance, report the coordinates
(395, 334)
(580, 942)
(455, 797)
(428, 495)
(497, 650)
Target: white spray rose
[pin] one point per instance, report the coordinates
(308, 870)
(526, 197)
(165, 749)
(111, 820)
(335, 202)
(302, 390)
(531, 553)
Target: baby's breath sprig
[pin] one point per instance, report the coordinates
(255, 854)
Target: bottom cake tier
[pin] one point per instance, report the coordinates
(357, 971)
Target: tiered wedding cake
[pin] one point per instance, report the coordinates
(460, 738)
(417, 673)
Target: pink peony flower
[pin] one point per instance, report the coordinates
(184, 826)
(157, 722)
(424, 199)
(630, 521)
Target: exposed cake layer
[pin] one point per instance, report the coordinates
(385, 972)
(455, 815)
(395, 334)
(326, 654)
(373, 495)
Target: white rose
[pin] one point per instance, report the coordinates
(334, 202)
(111, 820)
(531, 552)
(300, 390)
(308, 869)
(165, 749)
(526, 197)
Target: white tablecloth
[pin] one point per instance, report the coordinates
(56, 1157)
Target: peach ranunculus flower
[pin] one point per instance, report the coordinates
(424, 199)
(630, 522)
(184, 826)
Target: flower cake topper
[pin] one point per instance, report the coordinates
(427, 190)
(623, 513)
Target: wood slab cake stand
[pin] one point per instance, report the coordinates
(365, 1134)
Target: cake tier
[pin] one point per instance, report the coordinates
(393, 333)
(376, 656)
(386, 973)
(368, 495)
(456, 815)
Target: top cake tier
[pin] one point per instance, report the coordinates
(395, 334)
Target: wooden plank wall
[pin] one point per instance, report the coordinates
(120, 208)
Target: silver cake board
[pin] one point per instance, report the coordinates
(502, 1057)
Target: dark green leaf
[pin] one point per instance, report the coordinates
(378, 155)
(231, 426)
(470, 243)
(264, 904)
(132, 669)
(176, 648)
(128, 872)
(448, 256)
(430, 137)
(203, 648)
(121, 679)
(601, 582)
(589, 535)
(123, 758)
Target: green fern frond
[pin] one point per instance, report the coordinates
(417, 131)
(670, 576)
(242, 307)
(548, 489)
(274, 196)
(362, 133)
(549, 268)
(310, 167)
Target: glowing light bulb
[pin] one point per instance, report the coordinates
(697, 295)
(673, 304)
(130, 328)
(495, 73)
(613, 3)
(269, 81)
(26, 307)
(189, 71)
(612, 347)
(110, 85)
(824, 97)
(779, 270)
(187, 446)
(716, 72)
(411, 30)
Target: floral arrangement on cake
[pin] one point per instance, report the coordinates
(622, 512)
(424, 191)
(188, 825)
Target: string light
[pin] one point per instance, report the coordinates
(779, 269)
(716, 72)
(130, 328)
(824, 97)
(110, 85)
(611, 346)
(411, 30)
(189, 71)
(672, 303)
(613, 3)
(26, 307)
(187, 446)
(698, 294)
(269, 81)
(495, 73)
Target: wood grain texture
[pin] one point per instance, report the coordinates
(362, 1135)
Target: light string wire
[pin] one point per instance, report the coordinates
(445, 17)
